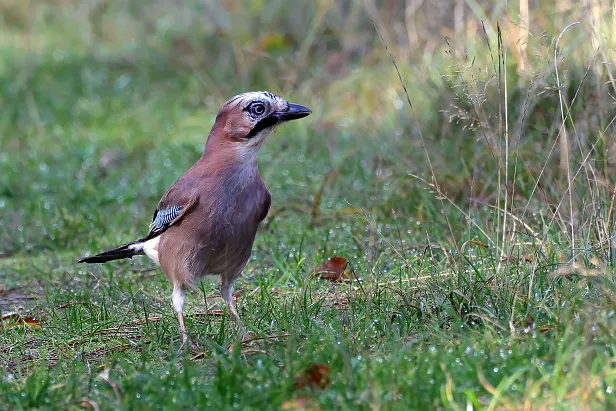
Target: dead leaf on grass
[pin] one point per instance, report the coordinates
(317, 376)
(478, 243)
(334, 269)
(14, 319)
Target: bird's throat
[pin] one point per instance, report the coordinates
(262, 125)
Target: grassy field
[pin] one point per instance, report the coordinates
(478, 222)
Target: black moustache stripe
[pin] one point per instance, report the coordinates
(267, 122)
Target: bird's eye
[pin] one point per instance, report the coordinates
(257, 109)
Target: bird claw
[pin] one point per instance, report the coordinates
(186, 343)
(242, 337)
(181, 350)
(246, 336)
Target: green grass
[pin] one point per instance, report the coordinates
(94, 128)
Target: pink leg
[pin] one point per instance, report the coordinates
(177, 298)
(182, 331)
(227, 295)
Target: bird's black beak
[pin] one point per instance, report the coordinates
(294, 112)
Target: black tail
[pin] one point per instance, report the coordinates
(118, 253)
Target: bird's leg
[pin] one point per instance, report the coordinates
(227, 294)
(177, 298)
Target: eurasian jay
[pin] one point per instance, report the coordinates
(205, 224)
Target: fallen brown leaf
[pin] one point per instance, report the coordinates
(333, 269)
(317, 376)
(14, 319)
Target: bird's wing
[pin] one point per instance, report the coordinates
(175, 204)
(164, 218)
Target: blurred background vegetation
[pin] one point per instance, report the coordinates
(117, 82)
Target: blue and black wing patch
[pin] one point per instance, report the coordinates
(163, 219)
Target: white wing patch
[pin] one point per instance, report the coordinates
(150, 248)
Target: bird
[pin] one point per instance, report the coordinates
(205, 224)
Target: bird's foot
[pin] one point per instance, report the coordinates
(186, 343)
(242, 338)
(245, 336)
(181, 350)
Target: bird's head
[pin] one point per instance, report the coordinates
(247, 119)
